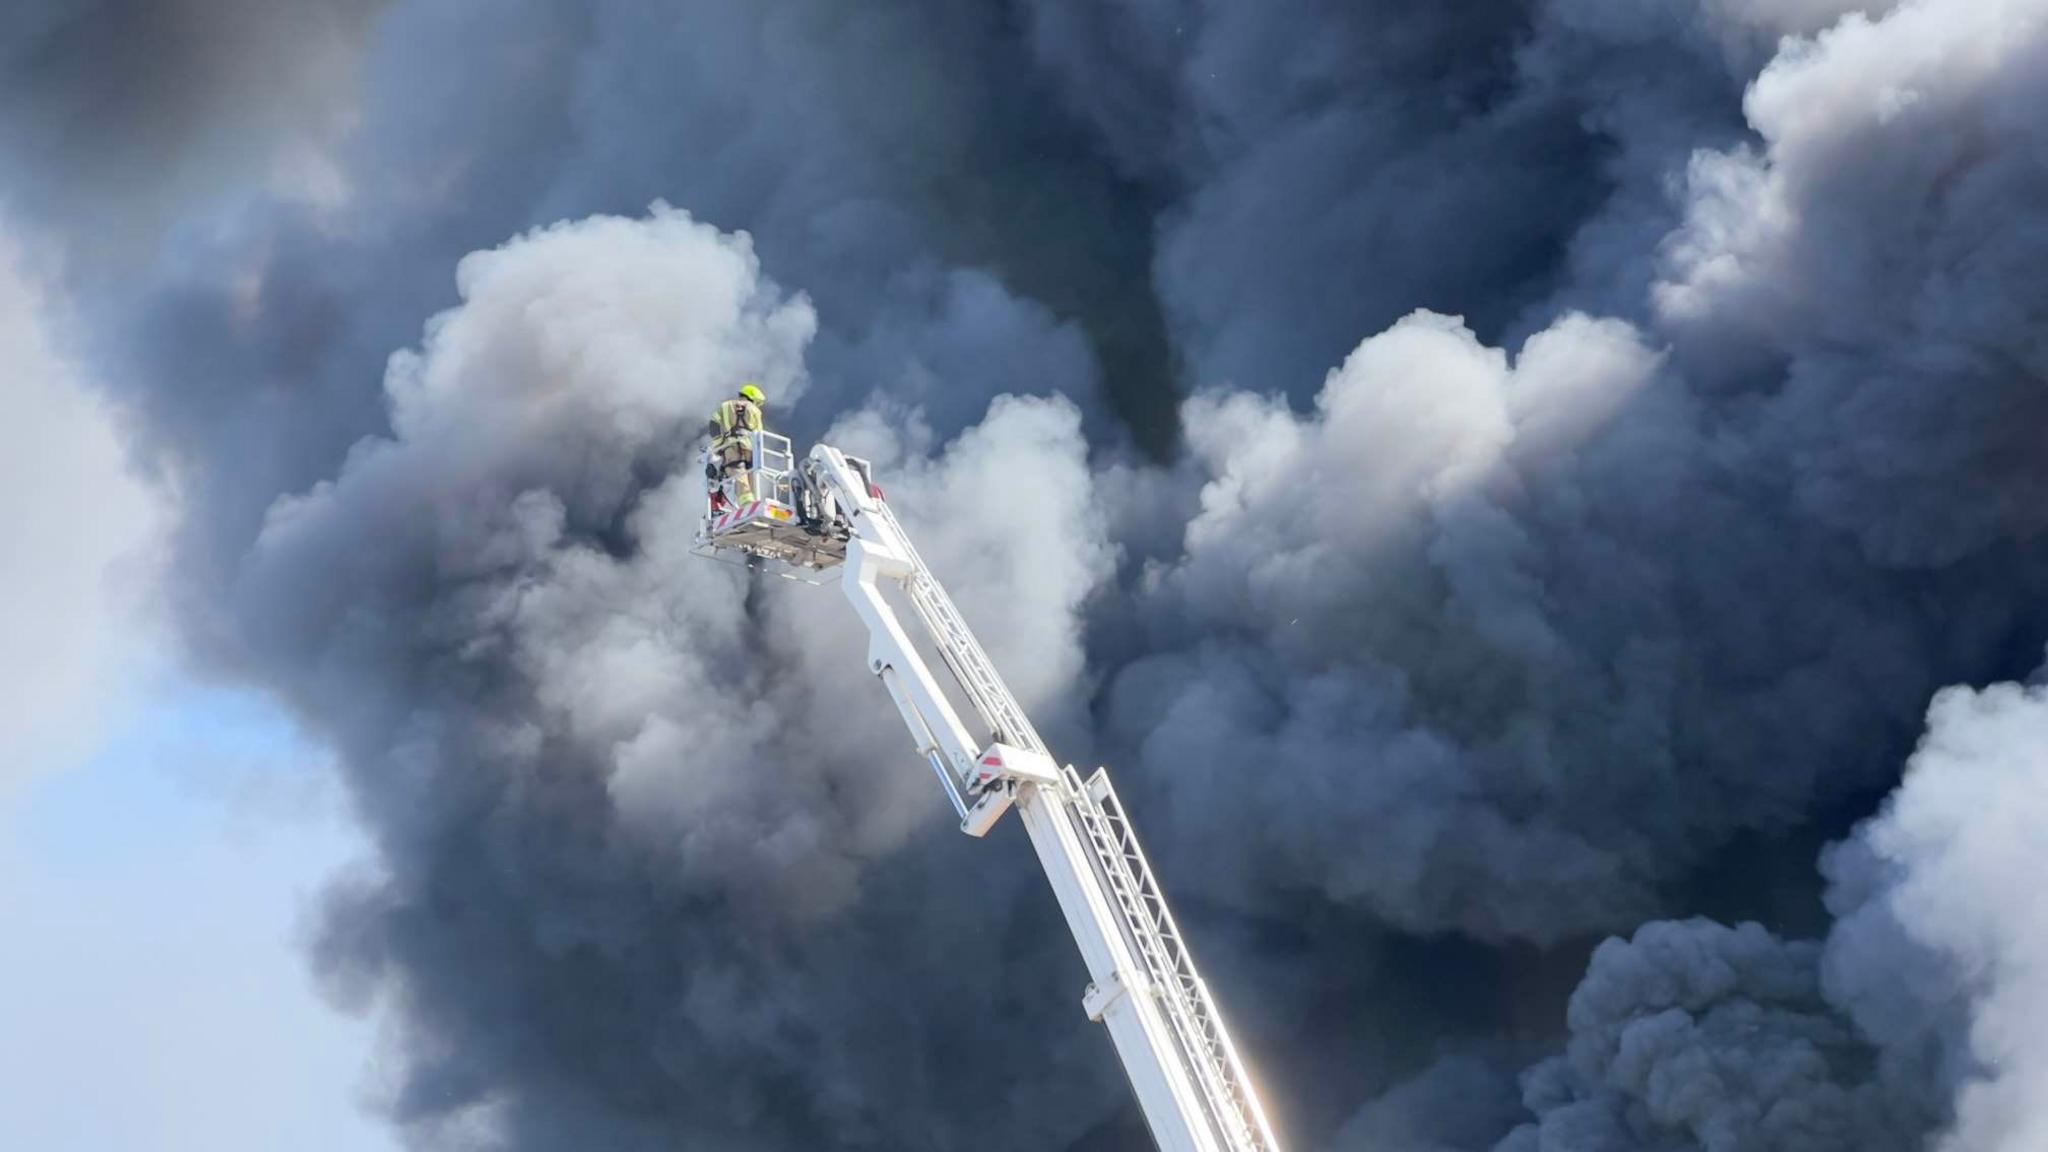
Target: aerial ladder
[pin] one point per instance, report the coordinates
(828, 513)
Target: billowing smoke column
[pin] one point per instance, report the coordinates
(1637, 586)
(1491, 477)
(614, 768)
(1916, 1013)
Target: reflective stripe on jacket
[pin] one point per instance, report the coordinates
(735, 416)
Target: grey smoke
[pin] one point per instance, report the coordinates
(1366, 127)
(1546, 629)
(119, 115)
(647, 714)
(1695, 1035)
(1912, 1025)
(1573, 443)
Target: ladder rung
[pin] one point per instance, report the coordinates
(1159, 948)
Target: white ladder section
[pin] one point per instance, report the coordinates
(1191, 1084)
(963, 653)
(1197, 1025)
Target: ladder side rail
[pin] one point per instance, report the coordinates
(971, 667)
(898, 561)
(962, 649)
(1166, 971)
(941, 737)
(1138, 990)
(1119, 995)
(1164, 963)
(1185, 984)
(1167, 1094)
(1246, 1093)
(874, 520)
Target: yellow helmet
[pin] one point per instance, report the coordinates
(753, 392)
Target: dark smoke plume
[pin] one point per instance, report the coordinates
(118, 114)
(1914, 1015)
(1491, 476)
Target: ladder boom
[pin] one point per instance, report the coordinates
(1191, 1084)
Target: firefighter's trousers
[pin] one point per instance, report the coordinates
(736, 464)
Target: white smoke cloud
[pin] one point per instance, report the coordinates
(1952, 946)
(80, 532)
(1852, 253)
(1011, 519)
(762, 756)
(585, 350)
(511, 573)
(582, 352)
(1323, 547)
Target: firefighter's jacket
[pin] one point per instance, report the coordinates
(734, 420)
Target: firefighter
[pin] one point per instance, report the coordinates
(732, 439)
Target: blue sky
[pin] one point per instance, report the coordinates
(155, 900)
(161, 842)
